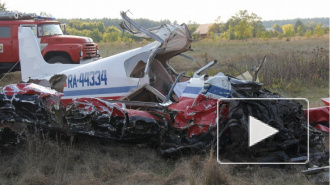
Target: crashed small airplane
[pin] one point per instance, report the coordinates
(136, 96)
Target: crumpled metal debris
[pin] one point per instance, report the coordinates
(148, 112)
(179, 128)
(319, 116)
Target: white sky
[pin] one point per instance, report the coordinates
(201, 11)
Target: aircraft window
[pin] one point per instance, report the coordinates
(135, 65)
(138, 71)
(4, 32)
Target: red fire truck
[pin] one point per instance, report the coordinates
(55, 47)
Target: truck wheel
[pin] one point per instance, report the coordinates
(59, 59)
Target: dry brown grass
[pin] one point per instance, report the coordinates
(42, 160)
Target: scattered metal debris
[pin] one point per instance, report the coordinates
(176, 123)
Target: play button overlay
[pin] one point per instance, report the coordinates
(262, 131)
(259, 131)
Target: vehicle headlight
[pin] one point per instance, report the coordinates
(81, 53)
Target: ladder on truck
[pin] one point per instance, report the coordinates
(15, 15)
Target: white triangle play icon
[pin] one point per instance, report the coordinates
(259, 131)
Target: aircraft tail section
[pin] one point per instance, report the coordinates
(33, 65)
(32, 62)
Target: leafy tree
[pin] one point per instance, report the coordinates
(299, 28)
(228, 34)
(308, 33)
(192, 26)
(266, 35)
(96, 35)
(310, 25)
(86, 26)
(243, 30)
(298, 23)
(277, 28)
(235, 19)
(112, 34)
(318, 30)
(76, 24)
(210, 35)
(112, 29)
(288, 30)
(3, 6)
(257, 27)
(214, 28)
(100, 26)
(252, 21)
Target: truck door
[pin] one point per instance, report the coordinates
(6, 46)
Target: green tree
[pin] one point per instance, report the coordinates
(299, 28)
(214, 28)
(112, 34)
(308, 33)
(192, 26)
(85, 26)
(252, 19)
(288, 30)
(96, 35)
(100, 26)
(277, 27)
(318, 30)
(3, 6)
(243, 30)
(257, 27)
(228, 34)
(111, 29)
(298, 23)
(310, 25)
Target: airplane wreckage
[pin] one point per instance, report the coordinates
(137, 97)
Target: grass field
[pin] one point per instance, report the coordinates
(300, 68)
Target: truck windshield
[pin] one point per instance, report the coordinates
(49, 29)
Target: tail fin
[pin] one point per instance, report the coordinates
(32, 62)
(33, 65)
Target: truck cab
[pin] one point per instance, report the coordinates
(55, 47)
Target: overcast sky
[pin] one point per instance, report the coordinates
(201, 11)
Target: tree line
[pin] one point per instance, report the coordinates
(106, 29)
(243, 26)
